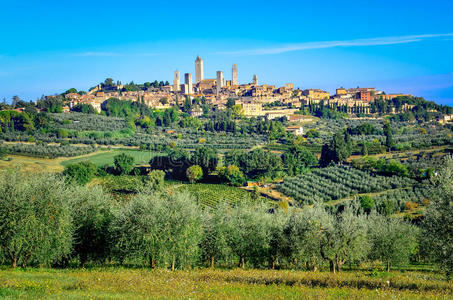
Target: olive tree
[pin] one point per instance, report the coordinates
(214, 244)
(249, 233)
(164, 230)
(92, 213)
(316, 236)
(351, 240)
(277, 238)
(303, 232)
(35, 219)
(438, 224)
(392, 241)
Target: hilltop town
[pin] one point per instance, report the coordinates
(254, 99)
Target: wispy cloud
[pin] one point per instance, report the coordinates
(333, 44)
(110, 54)
(90, 53)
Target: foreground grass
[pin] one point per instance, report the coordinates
(118, 283)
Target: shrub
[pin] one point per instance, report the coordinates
(155, 179)
(81, 172)
(231, 174)
(62, 133)
(123, 163)
(367, 203)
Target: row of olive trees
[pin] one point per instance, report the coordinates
(43, 221)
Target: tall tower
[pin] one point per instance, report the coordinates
(188, 81)
(234, 79)
(255, 80)
(198, 70)
(176, 82)
(220, 82)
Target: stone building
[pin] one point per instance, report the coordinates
(316, 94)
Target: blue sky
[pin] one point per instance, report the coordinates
(399, 46)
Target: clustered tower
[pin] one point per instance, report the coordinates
(198, 70)
(234, 76)
(220, 82)
(188, 81)
(188, 86)
(176, 82)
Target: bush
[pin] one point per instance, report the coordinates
(62, 133)
(367, 203)
(194, 173)
(392, 167)
(155, 179)
(81, 172)
(123, 163)
(231, 174)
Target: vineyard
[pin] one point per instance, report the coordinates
(211, 194)
(331, 183)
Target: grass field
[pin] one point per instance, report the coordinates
(100, 158)
(32, 164)
(106, 157)
(118, 283)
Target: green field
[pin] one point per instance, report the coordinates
(106, 157)
(119, 283)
